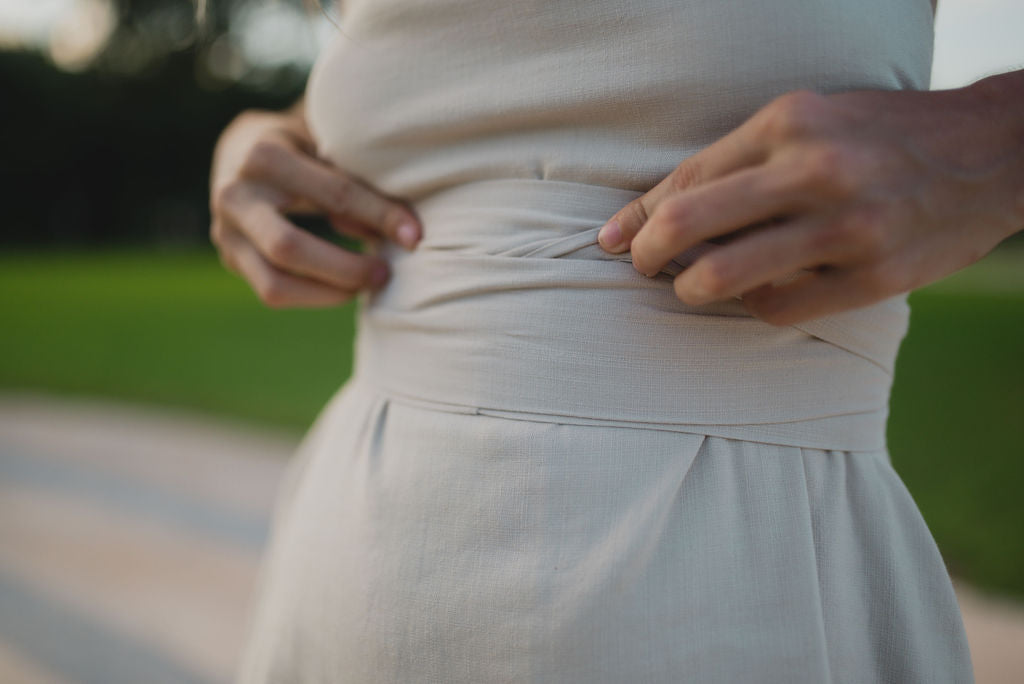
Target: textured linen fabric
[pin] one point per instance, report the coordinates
(545, 467)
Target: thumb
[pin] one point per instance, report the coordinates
(740, 147)
(617, 234)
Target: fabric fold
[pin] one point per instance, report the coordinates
(509, 305)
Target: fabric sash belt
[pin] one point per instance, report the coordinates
(509, 307)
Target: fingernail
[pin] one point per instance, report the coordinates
(379, 274)
(407, 235)
(610, 235)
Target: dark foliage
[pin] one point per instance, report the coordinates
(120, 153)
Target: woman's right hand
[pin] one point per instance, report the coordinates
(265, 164)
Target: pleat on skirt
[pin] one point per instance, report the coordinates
(412, 544)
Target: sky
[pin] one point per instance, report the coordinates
(976, 38)
(973, 38)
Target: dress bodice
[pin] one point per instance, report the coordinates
(416, 97)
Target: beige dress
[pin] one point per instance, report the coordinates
(545, 467)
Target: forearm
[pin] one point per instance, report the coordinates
(999, 101)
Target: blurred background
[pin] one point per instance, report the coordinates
(148, 400)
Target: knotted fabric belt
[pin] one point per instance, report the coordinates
(509, 307)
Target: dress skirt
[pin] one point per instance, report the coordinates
(546, 468)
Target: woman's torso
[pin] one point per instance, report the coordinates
(514, 130)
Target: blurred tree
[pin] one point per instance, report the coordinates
(116, 148)
(118, 151)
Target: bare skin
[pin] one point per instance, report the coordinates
(264, 165)
(823, 203)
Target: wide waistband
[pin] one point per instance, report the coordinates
(508, 306)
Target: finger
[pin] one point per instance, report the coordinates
(221, 240)
(735, 202)
(737, 149)
(761, 257)
(297, 251)
(332, 190)
(815, 294)
(277, 288)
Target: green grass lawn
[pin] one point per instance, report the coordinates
(178, 329)
(173, 328)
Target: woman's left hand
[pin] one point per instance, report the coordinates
(862, 195)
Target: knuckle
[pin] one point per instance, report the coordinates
(632, 220)
(229, 195)
(227, 261)
(358, 272)
(714, 278)
(831, 168)
(674, 215)
(793, 114)
(828, 239)
(633, 216)
(686, 175)
(865, 230)
(821, 164)
(341, 192)
(225, 253)
(639, 259)
(284, 246)
(217, 233)
(272, 292)
(262, 157)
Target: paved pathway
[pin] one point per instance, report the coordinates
(130, 536)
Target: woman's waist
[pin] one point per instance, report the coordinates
(508, 304)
